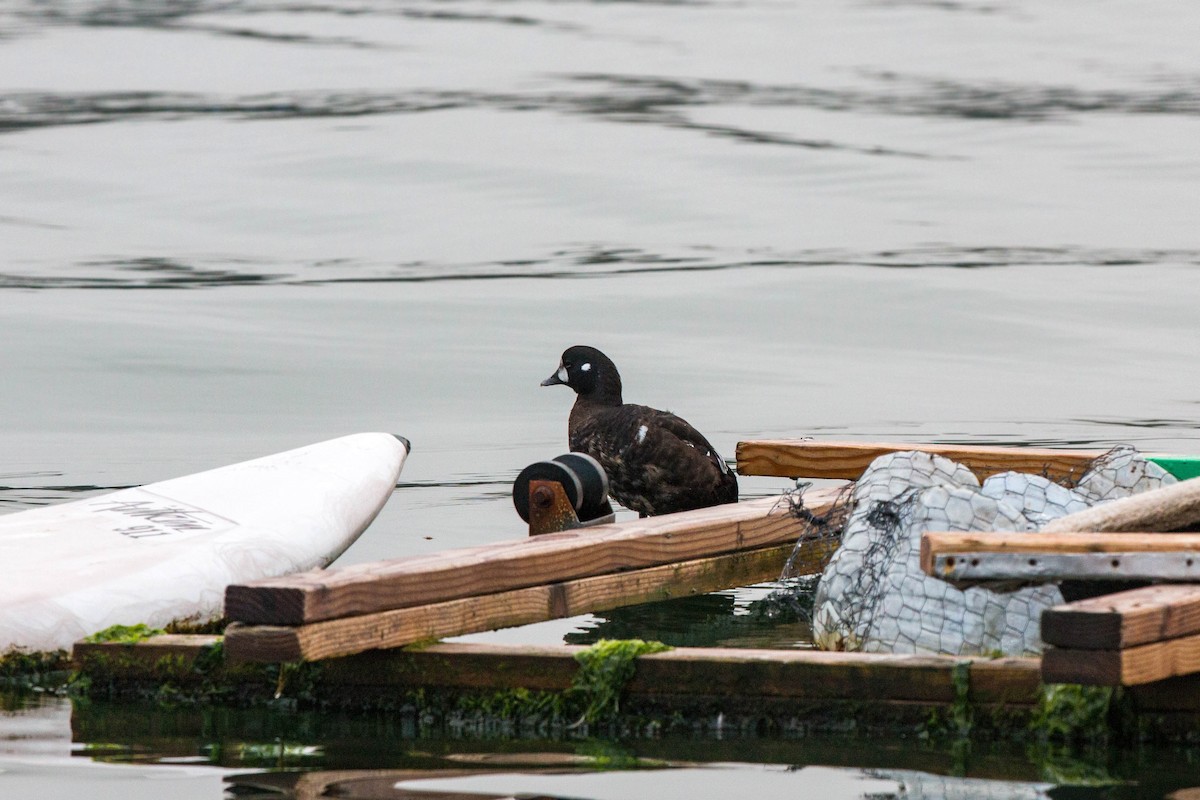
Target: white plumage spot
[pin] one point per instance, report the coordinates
(562, 374)
(585, 368)
(641, 434)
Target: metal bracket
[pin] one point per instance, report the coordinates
(550, 511)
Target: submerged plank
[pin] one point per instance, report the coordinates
(801, 458)
(398, 583)
(182, 649)
(851, 686)
(816, 674)
(1124, 619)
(396, 627)
(706, 671)
(1131, 666)
(735, 673)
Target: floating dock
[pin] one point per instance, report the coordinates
(372, 629)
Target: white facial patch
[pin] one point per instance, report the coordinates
(562, 374)
(641, 434)
(585, 368)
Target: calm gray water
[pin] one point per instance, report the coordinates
(232, 227)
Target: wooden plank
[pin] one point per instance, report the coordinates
(1131, 666)
(1124, 619)
(955, 548)
(802, 458)
(824, 675)
(1170, 508)
(686, 671)
(417, 580)
(386, 629)
(1179, 695)
(182, 649)
(703, 671)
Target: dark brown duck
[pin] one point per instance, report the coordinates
(656, 462)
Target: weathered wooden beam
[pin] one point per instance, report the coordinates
(706, 671)
(386, 629)
(806, 675)
(801, 458)
(419, 580)
(817, 674)
(1124, 619)
(1170, 508)
(805, 458)
(1131, 666)
(182, 649)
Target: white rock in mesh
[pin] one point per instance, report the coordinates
(873, 595)
(1037, 498)
(851, 574)
(1121, 473)
(891, 475)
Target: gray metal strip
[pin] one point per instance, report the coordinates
(1047, 567)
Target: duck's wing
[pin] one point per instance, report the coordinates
(656, 462)
(671, 427)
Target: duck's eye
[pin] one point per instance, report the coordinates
(567, 365)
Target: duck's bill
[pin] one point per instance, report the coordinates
(559, 376)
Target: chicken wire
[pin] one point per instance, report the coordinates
(873, 595)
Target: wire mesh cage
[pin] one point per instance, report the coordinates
(873, 596)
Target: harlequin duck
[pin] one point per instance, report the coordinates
(656, 462)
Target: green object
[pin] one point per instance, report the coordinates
(126, 634)
(1182, 467)
(1073, 713)
(604, 669)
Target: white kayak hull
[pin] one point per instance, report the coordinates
(166, 551)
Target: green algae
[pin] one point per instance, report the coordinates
(124, 634)
(1070, 712)
(604, 670)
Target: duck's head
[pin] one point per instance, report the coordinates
(589, 372)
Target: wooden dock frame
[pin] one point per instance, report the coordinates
(779, 685)
(688, 690)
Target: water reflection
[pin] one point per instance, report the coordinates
(309, 754)
(753, 616)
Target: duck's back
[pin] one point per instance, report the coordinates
(656, 462)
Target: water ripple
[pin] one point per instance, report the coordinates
(623, 98)
(176, 15)
(582, 261)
